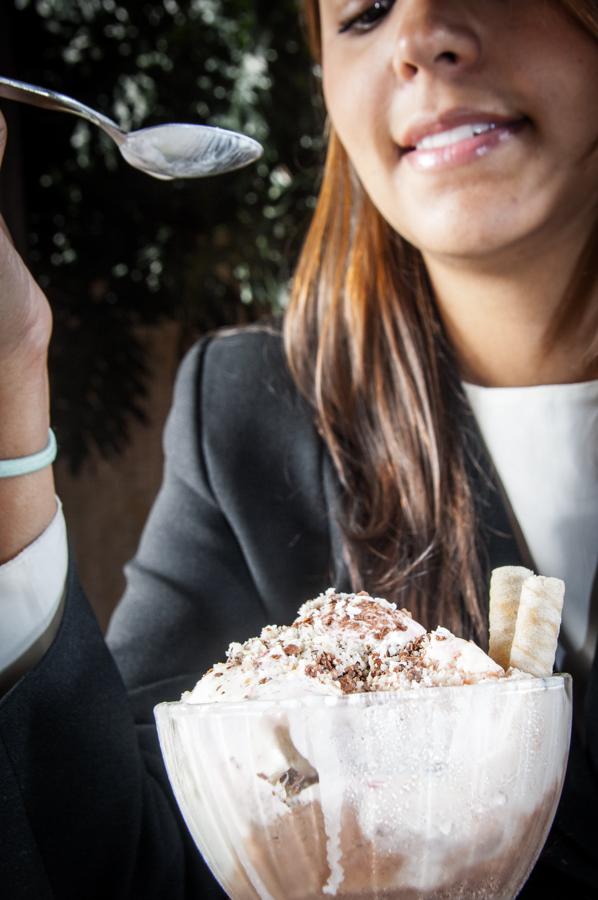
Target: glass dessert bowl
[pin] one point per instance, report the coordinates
(440, 792)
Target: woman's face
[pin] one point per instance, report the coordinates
(473, 124)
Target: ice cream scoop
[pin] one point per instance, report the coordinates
(341, 644)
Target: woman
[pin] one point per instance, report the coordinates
(450, 257)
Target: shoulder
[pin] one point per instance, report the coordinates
(240, 374)
(247, 347)
(248, 362)
(235, 402)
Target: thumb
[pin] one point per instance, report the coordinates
(3, 136)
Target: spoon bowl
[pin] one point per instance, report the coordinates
(176, 150)
(188, 151)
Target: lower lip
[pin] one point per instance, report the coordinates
(463, 152)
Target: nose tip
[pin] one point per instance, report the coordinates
(425, 43)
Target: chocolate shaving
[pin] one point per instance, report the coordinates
(325, 662)
(381, 634)
(351, 680)
(414, 674)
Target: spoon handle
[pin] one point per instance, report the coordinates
(47, 99)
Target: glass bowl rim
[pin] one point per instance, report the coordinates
(504, 687)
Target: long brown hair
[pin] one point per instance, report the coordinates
(365, 344)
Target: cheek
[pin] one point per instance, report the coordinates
(357, 100)
(344, 101)
(575, 125)
(563, 76)
(358, 108)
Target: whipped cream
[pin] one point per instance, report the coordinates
(344, 644)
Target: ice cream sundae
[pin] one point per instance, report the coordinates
(354, 754)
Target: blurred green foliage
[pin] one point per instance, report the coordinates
(115, 249)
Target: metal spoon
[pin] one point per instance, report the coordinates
(164, 151)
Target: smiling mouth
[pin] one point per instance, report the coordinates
(459, 134)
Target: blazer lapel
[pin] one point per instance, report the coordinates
(591, 698)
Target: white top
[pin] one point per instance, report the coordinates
(31, 588)
(544, 443)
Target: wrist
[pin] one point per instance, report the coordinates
(24, 410)
(33, 462)
(27, 500)
(25, 314)
(25, 358)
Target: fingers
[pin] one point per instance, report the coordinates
(3, 135)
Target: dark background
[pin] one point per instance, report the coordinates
(135, 268)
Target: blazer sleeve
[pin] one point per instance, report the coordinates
(189, 589)
(86, 807)
(239, 535)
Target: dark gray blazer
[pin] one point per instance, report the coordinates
(242, 532)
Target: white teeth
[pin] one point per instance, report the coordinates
(446, 138)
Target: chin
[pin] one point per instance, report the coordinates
(458, 243)
(466, 236)
(485, 226)
(463, 247)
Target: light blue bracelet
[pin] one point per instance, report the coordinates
(25, 465)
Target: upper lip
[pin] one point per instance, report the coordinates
(427, 124)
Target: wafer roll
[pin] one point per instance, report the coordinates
(538, 624)
(505, 590)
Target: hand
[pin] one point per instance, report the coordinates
(25, 316)
(27, 502)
